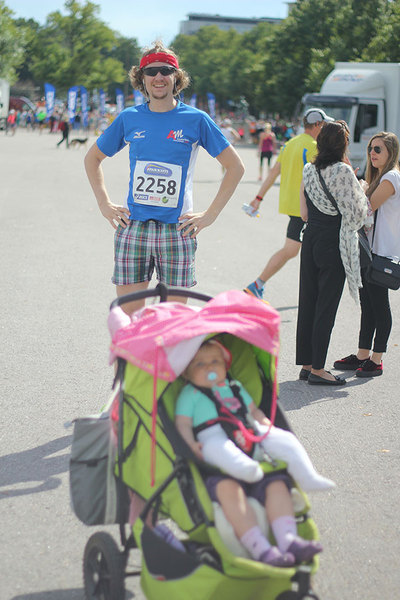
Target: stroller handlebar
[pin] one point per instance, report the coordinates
(163, 292)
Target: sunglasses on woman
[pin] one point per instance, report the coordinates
(376, 149)
(152, 71)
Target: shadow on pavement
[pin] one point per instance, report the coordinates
(34, 465)
(72, 594)
(295, 394)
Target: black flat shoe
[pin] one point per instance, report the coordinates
(304, 373)
(317, 380)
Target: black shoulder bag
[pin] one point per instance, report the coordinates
(383, 271)
(363, 243)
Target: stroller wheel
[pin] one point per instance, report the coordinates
(297, 596)
(103, 568)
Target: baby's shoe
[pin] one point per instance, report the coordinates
(304, 550)
(274, 557)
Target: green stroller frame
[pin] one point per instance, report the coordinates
(207, 570)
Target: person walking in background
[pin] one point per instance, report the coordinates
(266, 146)
(64, 128)
(383, 191)
(330, 252)
(11, 125)
(289, 164)
(157, 229)
(229, 132)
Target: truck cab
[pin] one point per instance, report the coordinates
(4, 102)
(366, 96)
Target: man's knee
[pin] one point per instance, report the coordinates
(291, 248)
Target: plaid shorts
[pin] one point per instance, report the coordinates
(144, 245)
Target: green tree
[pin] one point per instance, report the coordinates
(76, 49)
(30, 29)
(223, 62)
(12, 42)
(384, 46)
(306, 45)
(128, 53)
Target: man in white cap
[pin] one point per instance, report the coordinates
(293, 156)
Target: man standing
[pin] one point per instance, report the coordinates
(289, 164)
(157, 227)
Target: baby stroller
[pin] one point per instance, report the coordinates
(153, 461)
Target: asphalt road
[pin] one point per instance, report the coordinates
(56, 264)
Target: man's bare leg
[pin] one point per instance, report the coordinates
(122, 290)
(131, 307)
(279, 259)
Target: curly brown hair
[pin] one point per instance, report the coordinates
(182, 79)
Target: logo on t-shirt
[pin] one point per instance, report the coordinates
(177, 136)
(139, 135)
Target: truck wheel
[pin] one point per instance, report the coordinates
(103, 568)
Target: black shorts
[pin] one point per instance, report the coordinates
(295, 229)
(267, 155)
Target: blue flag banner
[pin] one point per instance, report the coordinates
(193, 100)
(72, 98)
(102, 96)
(50, 96)
(119, 98)
(138, 97)
(84, 106)
(211, 105)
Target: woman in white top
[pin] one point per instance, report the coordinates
(383, 191)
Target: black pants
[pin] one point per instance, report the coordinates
(321, 285)
(64, 137)
(376, 316)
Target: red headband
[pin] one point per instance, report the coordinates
(159, 57)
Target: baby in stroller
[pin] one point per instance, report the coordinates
(206, 390)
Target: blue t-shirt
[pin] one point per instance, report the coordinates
(162, 151)
(196, 405)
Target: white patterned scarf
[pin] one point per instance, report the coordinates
(352, 202)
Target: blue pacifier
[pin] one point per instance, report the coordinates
(212, 376)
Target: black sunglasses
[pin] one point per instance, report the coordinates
(152, 71)
(376, 149)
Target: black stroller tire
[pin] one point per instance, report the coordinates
(297, 596)
(103, 568)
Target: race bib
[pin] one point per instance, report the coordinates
(157, 183)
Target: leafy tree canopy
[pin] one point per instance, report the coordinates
(12, 42)
(270, 67)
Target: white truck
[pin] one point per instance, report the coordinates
(366, 96)
(4, 102)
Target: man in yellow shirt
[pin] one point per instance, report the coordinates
(293, 156)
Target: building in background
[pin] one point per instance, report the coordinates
(196, 21)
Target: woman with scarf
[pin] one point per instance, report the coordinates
(330, 252)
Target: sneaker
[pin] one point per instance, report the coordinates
(349, 363)
(254, 290)
(369, 369)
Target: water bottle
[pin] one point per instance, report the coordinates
(249, 210)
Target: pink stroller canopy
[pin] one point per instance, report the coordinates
(162, 339)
